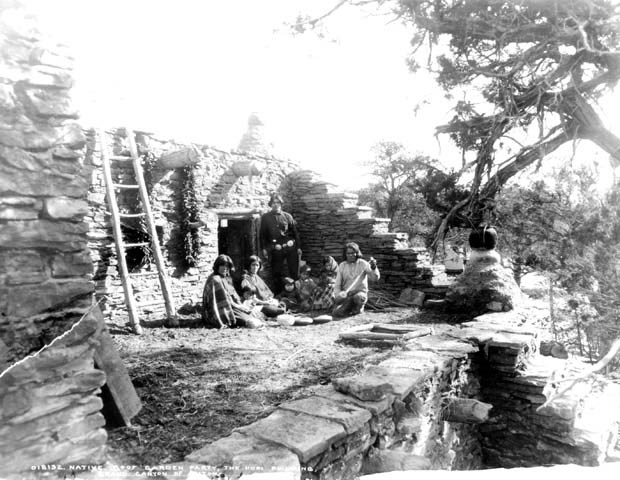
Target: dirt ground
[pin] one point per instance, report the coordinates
(198, 384)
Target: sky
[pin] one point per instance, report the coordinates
(194, 70)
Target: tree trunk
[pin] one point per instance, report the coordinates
(467, 410)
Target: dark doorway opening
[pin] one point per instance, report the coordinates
(238, 238)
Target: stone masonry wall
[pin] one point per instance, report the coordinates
(328, 217)
(45, 268)
(220, 192)
(49, 409)
(392, 416)
(396, 407)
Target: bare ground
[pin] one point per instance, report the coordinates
(198, 384)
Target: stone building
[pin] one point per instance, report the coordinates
(57, 265)
(227, 191)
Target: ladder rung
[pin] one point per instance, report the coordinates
(131, 215)
(124, 185)
(143, 274)
(120, 158)
(141, 244)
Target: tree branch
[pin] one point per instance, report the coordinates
(602, 363)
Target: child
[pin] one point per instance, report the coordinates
(250, 301)
(305, 286)
(289, 297)
(323, 295)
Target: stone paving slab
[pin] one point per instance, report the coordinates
(402, 381)
(364, 387)
(304, 434)
(484, 335)
(425, 360)
(375, 408)
(503, 328)
(350, 417)
(241, 452)
(436, 343)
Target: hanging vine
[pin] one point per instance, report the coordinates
(190, 238)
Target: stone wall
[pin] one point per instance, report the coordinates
(328, 217)
(50, 411)
(391, 414)
(228, 185)
(48, 386)
(45, 268)
(395, 415)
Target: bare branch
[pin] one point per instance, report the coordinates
(602, 363)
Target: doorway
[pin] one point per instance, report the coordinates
(238, 238)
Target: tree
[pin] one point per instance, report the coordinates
(539, 67)
(406, 189)
(566, 229)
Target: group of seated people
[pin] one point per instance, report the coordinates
(340, 289)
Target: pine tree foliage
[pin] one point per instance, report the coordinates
(538, 68)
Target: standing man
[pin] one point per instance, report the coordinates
(280, 242)
(351, 288)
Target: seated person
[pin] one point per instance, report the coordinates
(351, 288)
(323, 294)
(221, 306)
(305, 286)
(329, 264)
(250, 301)
(264, 295)
(289, 296)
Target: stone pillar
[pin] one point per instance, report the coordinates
(45, 268)
(49, 412)
(253, 141)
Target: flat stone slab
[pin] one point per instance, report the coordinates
(504, 328)
(436, 343)
(304, 434)
(350, 417)
(484, 335)
(374, 407)
(239, 452)
(402, 381)
(364, 387)
(426, 360)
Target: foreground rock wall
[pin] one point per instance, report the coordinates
(51, 410)
(395, 415)
(227, 185)
(45, 268)
(390, 416)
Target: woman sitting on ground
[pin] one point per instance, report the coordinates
(264, 295)
(221, 306)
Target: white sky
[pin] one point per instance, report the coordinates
(193, 70)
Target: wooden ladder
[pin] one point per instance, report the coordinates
(120, 244)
